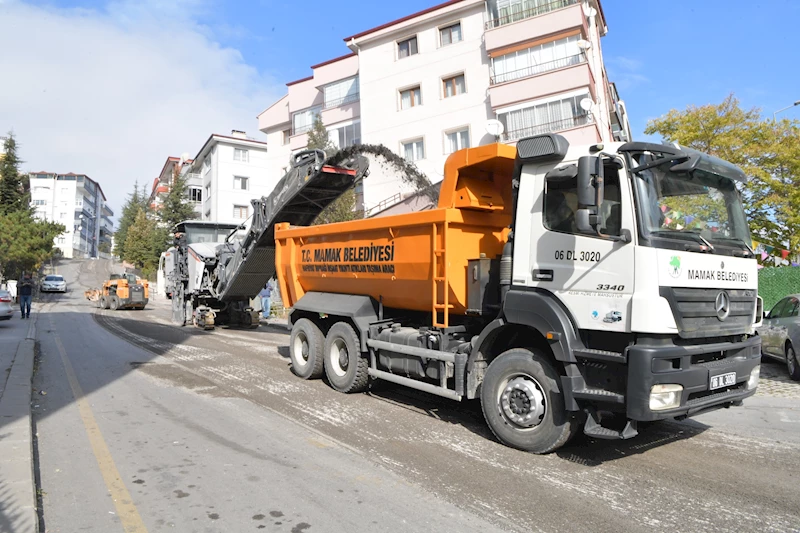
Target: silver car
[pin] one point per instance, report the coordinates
(54, 283)
(780, 334)
(6, 305)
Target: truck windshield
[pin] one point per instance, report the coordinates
(206, 234)
(696, 206)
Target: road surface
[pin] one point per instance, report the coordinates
(144, 425)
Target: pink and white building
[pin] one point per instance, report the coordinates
(427, 84)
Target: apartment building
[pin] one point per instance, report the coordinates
(163, 183)
(232, 170)
(437, 81)
(77, 202)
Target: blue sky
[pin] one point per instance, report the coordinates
(110, 78)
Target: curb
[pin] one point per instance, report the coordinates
(17, 488)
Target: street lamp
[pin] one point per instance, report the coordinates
(784, 109)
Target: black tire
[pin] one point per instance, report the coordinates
(306, 349)
(113, 302)
(523, 404)
(792, 362)
(345, 366)
(103, 302)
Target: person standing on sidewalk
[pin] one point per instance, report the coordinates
(266, 294)
(26, 296)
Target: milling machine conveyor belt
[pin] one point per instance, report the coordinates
(298, 198)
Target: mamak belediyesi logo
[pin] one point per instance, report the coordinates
(675, 266)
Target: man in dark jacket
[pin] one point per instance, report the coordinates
(26, 296)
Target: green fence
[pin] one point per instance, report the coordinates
(776, 282)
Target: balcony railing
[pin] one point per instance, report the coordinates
(538, 69)
(525, 10)
(339, 102)
(549, 127)
(302, 129)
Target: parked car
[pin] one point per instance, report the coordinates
(780, 334)
(6, 305)
(54, 283)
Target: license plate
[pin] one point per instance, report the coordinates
(722, 380)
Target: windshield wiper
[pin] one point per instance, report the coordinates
(737, 240)
(706, 246)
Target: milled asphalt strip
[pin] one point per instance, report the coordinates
(17, 488)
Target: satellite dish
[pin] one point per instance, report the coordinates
(494, 127)
(586, 104)
(184, 157)
(583, 44)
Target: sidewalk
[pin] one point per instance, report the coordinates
(17, 488)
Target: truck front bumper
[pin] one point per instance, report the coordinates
(659, 362)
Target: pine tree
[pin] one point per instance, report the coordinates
(343, 208)
(12, 196)
(176, 207)
(25, 242)
(139, 241)
(136, 202)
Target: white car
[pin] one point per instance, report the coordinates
(6, 305)
(54, 283)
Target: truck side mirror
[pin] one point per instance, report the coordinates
(583, 219)
(590, 181)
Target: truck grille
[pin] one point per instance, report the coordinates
(696, 314)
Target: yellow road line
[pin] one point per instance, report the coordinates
(126, 510)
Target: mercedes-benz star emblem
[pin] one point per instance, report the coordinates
(722, 305)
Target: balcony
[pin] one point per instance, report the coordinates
(542, 85)
(528, 24)
(538, 69)
(518, 12)
(349, 99)
(549, 127)
(299, 140)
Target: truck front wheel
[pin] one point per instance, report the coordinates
(347, 369)
(306, 347)
(523, 404)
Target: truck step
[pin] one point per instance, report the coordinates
(600, 395)
(600, 355)
(594, 429)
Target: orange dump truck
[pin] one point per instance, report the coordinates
(520, 289)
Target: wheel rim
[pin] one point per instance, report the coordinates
(791, 359)
(338, 357)
(521, 401)
(300, 349)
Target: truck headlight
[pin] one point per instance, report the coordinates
(665, 397)
(752, 381)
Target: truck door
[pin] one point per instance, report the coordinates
(591, 275)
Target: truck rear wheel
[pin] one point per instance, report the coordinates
(523, 404)
(345, 366)
(103, 303)
(113, 302)
(306, 349)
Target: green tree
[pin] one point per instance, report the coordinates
(12, 195)
(176, 207)
(25, 242)
(136, 202)
(768, 151)
(140, 243)
(343, 208)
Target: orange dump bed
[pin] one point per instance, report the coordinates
(416, 261)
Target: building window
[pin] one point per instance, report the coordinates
(454, 85)
(241, 183)
(195, 194)
(450, 34)
(341, 93)
(544, 118)
(456, 140)
(303, 120)
(537, 59)
(410, 98)
(61, 240)
(240, 154)
(40, 202)
(287, 134)
(407, 48)
(346, 135)
(414, 150)
(240, 211)
(63, 215)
